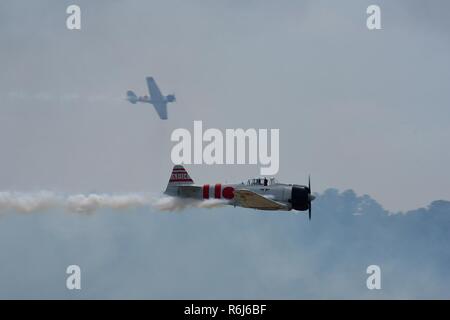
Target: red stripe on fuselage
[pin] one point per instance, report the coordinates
(217, 191)
(206, 191)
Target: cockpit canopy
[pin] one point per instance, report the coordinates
(261, 182)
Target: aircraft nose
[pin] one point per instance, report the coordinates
(311, 197)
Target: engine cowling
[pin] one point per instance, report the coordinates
(300, 197)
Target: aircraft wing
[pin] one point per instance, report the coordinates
(250, 199)
(153, 90)
(161, 108)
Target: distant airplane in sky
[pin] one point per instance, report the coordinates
(156, 98)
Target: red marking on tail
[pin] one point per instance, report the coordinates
(180, 177)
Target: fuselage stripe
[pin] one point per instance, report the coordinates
(217, 190)
(206, 191)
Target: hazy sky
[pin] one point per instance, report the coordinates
(360, 109)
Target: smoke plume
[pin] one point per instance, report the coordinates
(20, 202)
(87, 204)
(167, 203)
(25, 203)
(44, 200)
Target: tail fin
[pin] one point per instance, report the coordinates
(178, 177)
(131, 96)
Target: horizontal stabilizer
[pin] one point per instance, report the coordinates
(131, 96)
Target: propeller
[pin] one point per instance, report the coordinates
(310, 197)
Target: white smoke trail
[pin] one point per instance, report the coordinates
(45, 200)
(167, 203)
(88, 204)
(26, 203)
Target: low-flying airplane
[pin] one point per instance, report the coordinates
(259, 193)
(156, 98)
